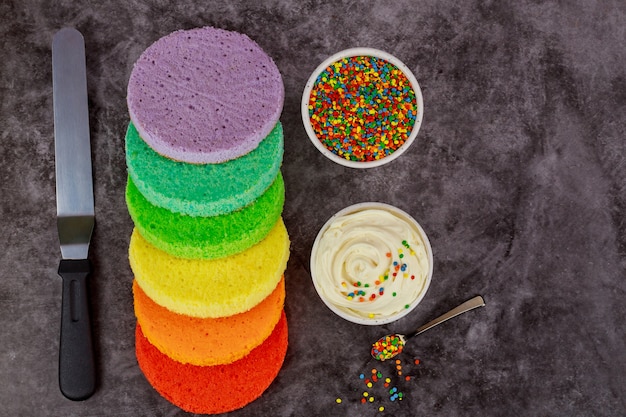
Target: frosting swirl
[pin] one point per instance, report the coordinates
(371, 263)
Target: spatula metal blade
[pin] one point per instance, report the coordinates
(74, 183)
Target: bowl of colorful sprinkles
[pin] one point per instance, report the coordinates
(371, 263)
(362, 108)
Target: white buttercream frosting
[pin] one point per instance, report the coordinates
(371, 263)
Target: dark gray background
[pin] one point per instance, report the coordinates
(518, 176)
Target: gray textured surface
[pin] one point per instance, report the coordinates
(518, 176)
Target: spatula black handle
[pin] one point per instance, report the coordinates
(77, 368)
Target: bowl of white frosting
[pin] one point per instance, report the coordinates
(371, 263)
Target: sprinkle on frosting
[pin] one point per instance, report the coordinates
(377, 289)
(362, 108)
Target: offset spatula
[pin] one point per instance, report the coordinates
(75, 211)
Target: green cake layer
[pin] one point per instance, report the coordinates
(203, 189)
(211, 237)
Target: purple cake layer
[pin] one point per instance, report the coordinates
(204, 95)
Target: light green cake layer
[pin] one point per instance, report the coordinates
(211, 237)
(203, 189)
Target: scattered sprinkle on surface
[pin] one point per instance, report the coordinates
(384, 388)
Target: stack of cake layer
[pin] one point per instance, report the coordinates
(205, 192)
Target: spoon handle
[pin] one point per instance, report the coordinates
(466, 306)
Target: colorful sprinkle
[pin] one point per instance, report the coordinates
(366, 291)
(387, 347)
(389, 390)
(362, 108)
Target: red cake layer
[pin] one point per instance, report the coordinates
(214, 389)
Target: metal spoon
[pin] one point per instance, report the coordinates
(389, 346)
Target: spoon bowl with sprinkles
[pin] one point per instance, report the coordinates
(391, 345)
(362, 107)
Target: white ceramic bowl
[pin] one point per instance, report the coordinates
(361, 227)
(352, 53)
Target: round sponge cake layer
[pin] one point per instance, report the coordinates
(204, 95)
(207, 341)
(206, 237)
(211, 287)
(214, 389)
(203, 189)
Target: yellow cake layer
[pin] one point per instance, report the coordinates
(211, 287)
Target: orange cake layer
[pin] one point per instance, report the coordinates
(207, 341)
(214, 389)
